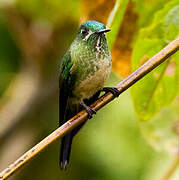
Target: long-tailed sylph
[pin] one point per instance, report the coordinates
(84, 69)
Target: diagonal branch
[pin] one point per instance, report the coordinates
(82, 116)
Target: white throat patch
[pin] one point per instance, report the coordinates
(98, 44)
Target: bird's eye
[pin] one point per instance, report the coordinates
(83, 31)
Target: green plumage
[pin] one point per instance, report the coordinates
(84, 70)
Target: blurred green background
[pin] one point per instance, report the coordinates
(34, 35)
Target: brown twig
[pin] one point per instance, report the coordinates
(82, 116)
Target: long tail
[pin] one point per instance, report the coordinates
(65, 150)
(66, 141)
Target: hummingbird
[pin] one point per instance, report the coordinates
(84, 69)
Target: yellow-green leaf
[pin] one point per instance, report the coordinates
(159, 88)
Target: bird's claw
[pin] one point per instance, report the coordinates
(112, 90)
(88, 109)
(90, 112)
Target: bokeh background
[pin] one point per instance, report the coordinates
(124, 140)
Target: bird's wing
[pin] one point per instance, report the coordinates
(65, 112)
(64, 86)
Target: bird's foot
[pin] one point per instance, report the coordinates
(88, 109)
(112, 90)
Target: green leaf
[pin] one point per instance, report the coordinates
(171, 24)
(115, 19)
(147, 9)
(159, 88)
(162, 132)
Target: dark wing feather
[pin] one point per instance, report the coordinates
(64, 110)
(64, 86)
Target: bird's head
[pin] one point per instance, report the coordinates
(92, 32)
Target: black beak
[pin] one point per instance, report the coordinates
(103, 31)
